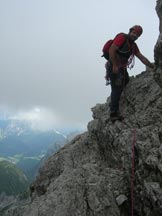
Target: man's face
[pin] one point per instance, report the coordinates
(133, 35)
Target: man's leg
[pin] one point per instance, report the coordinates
(115, 98)
(116, 90)
(125, 79)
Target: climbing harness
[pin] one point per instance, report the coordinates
(129, 64)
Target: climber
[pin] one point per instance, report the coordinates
(121, 55)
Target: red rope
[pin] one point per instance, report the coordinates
(133, 162)
(133, 172)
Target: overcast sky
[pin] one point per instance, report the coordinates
(50, 64)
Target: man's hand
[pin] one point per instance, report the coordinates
(145, 61)
(115, 69)
(153, 66)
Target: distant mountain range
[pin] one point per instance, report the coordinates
(18, 138)
(22, 151)
(28, 148)
(25, 147)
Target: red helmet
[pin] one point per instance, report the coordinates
(138, 29)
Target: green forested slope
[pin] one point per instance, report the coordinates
(12, 180)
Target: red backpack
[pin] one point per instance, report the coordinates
(106, 48)
(108, 44)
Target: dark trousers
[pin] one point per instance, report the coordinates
(118, 82)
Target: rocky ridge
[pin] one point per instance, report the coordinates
(93, 174)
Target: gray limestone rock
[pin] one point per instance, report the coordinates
(121, 199)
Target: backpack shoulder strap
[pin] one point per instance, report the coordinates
(126, 39)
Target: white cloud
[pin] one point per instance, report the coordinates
(38, 118)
